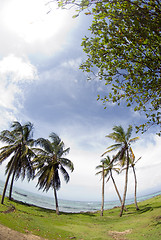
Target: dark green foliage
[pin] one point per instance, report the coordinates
(19, 149)
(124, 50)
(49, 160)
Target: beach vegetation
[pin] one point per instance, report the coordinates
(105, 169)
(19, 152)
(122, 144)
(110, 167)
(50, 159)
(133, 162)
(102, 172)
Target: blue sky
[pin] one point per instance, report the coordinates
(41, 82)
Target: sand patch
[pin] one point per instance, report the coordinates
(119, 235)
(9, 234)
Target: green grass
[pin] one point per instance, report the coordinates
(141, 225)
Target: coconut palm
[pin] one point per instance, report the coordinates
(123, 143)
(50, 159)
(102, 172)
(133, 161)
(108, 166)
(19, 149)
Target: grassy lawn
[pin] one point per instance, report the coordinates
(138, 225)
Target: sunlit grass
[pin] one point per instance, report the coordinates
(138, 225)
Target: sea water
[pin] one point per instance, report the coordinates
(66, 205)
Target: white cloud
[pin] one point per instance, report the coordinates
(72, 63)
(29, 29)
(15, 73)
(16, 69)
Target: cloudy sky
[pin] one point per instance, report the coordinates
(40, 81)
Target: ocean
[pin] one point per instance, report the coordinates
(66, 205)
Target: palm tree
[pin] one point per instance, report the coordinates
(103, 182)
(49, 161)
(123, 143)
(19, 148)
(108, 167)
(132, 164)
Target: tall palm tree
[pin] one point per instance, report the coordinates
(50, 159)
(108, 167)
(123, 143)
(133, 162)
(19, 149)
(102, 172)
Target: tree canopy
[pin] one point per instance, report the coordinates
(124, 50)
(19, 151)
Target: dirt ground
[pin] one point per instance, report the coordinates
(9, 234)
(119, 235)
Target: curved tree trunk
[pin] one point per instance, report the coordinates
(11, 186)
(125, 189)
(117, 189)
(56, 201)
(137, 208)
(103, 190)
(8, 176)
(6, 184)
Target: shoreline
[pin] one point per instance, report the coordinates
(71, 206)
(80, 212)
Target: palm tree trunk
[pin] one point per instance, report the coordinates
(11, 186)
(6, 184)
(137, 208)
(117, 189)
(103, 190)
(8, 176)
(125, 189)
(56, 201)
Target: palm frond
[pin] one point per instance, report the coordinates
(108, 179)
(40, 151)
(111, 148)
(28, 131)
(128, 133)
(67, 163)
(66, 151)
(65, 174)
(55, 138)
(7, 137)
(118, 135)
(99, 167)
(57, 182)
(133, 139)
(45, 144)
(100, 172)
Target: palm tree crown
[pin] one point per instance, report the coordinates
(123, 142)
(108, 166)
